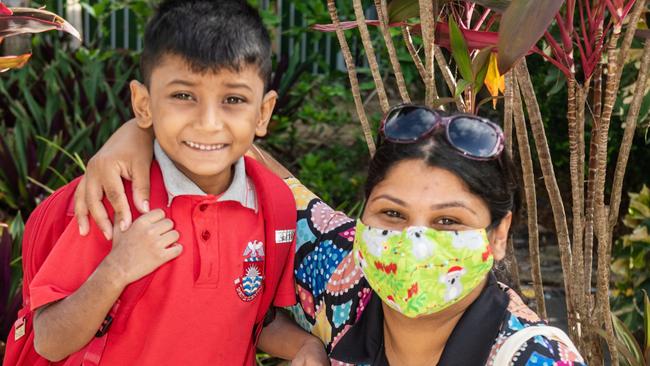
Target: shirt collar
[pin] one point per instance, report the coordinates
(477, 330)
(176, 183)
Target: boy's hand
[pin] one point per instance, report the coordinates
(312, 353)
(148, 244)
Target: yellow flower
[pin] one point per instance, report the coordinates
(494, 81)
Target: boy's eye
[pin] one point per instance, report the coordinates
(234, 100)
(183, 96)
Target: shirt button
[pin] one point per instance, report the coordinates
(205, 235)
(203, 207)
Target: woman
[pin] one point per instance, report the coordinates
(410, 283)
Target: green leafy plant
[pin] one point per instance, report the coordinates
(632, 262)
(58, 111)
(632, 351)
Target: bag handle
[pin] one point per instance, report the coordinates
(513, 343)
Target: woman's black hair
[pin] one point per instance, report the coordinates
(491, 180)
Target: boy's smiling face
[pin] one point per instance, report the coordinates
(203, 121)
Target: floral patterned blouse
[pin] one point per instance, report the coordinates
(337, 304)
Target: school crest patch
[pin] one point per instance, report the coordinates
(249, 284)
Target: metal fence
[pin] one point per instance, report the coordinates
(124, 33)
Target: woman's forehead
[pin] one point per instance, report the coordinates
(415, 182)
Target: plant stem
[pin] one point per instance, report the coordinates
(615, 59)
(630, 127)
(546, 163)
(408, 39)
(508, 110)
(428, 26)
(370, 54)
(449, 77)
(382, 12)
(531, 201)
(352, 75)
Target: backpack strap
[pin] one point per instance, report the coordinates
(279, 228)
(513, 343)
(42, 230)
(119, 314)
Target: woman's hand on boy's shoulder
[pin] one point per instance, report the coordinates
(127, 154)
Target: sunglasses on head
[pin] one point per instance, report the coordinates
(472, 136)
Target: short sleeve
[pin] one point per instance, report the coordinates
(72, 260)
(324, 237)
(286, 293)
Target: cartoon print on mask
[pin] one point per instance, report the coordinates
(419, 271)
(390, 300)
(452, 281)
(467, 240)
(376, 241)
(422, 247)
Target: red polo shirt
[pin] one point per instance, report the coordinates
(193, 312)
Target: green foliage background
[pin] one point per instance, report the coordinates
(64, 104)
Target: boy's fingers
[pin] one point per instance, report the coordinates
(80, 208)
(159, 227)
(140, 173)
(169, 238)
(172, 251)
(152, 217)
(164, 226)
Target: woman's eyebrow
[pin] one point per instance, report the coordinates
(452, 204)
(390, 198)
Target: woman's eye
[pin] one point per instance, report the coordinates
(393, 214)
(183, 96)
(445, 221)
(234, 100)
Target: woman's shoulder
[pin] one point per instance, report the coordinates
(530, 340)
(329, 284)
(317, 220)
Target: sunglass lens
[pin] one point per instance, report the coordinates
(408, 124)
(473, 137)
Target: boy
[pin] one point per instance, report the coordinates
(206, 248)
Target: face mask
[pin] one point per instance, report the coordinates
(421, 271)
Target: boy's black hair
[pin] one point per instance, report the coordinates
(209, 35)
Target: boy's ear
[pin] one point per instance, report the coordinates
(140, 102)
(268, 105)
(498, 237)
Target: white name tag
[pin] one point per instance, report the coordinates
(284, 236)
